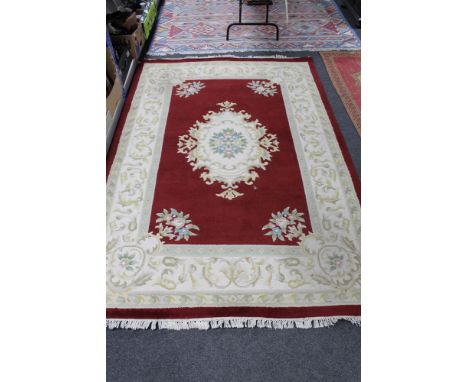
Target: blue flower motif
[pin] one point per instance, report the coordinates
(286, 224)
(175, 225)
(228, 143)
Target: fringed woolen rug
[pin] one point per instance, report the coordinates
(190, 27)
(232, 201)
(344, 69)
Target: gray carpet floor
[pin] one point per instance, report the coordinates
(235, 355)
(250, 355)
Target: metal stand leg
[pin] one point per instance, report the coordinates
(241, 23)
(355, 11)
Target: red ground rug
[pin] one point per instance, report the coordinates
(344, 69)
(231, 199)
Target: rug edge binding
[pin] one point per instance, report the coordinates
(156, 58)
(255, 54)
(229, 322)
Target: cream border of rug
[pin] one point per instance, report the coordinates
(297, 278)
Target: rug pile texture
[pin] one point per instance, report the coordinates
(231, 200)
(191, 27)
(344, 69)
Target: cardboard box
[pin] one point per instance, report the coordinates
(135, 41)
(116, 93)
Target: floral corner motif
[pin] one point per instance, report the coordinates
(336, 261)
(175, 225)
(187, 89)
(264, 88)
(126, 261)
(286, 225)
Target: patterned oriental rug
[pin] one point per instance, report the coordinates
(344, 69)
(232, 201)
(188, 27)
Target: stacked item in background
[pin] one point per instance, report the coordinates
(145, 11)
(129, 24)
(127, 37)
(114, 87)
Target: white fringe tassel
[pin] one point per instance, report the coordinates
(230, 322)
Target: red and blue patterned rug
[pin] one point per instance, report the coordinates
(190, 27)
(232, 200)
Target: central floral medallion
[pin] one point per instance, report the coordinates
(228, 146)
(228, 142)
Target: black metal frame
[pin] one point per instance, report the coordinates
(354, 7)
(265, 23)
